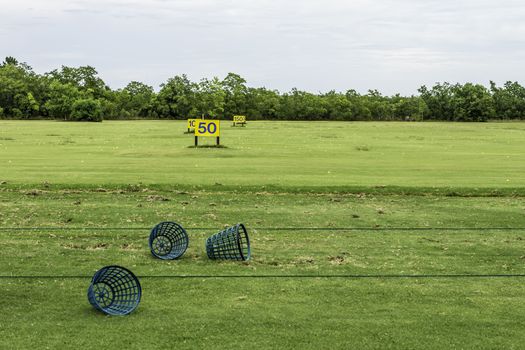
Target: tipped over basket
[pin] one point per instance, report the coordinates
(168, 241)
(230, 244)
(114, 290)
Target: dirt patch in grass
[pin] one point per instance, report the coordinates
(302, 260)
(157, 198)
(97, 246)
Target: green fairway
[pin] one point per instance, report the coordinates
(364, 235)
(283, 154)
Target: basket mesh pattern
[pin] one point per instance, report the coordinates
(230, 244)
(114, 290)
(168, 240)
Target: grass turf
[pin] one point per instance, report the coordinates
(310, 314)
(282, 154)
(102, 215)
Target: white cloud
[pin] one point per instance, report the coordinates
(391, 45)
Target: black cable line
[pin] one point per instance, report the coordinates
(300, 276)
(271, 228)
(347, 276)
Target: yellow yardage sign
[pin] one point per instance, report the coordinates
(239, 119)
(210, 128)
(191, 124)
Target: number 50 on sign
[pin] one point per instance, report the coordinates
(211, 128)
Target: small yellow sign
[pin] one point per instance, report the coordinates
(239, 119)
(191, 124)
(211, 128)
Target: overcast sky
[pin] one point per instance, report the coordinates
(314, 45)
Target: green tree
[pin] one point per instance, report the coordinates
(18, 84)
(262, 103)
(359, 105)
(439, 101)
(301, 105)
(87, 109)
(60, 99)
(407, 108)
(472, 103)
(210, 97)
(235, 97)
(78, 93)
(509, 101)
(9, 60)
(338, 106)
(380, 106)
(137, 99)
(85, 78)
(177, 98)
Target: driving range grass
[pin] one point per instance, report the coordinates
(290, 233)
(272, 314)
(93, 228)
(364, 235)
(282, 154)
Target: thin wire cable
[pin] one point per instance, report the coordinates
(272, 228)
(298, 276)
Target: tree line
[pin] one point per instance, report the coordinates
(78, 93)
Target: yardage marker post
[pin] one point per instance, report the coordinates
(239, 119)
(208, 128)
(191, 125)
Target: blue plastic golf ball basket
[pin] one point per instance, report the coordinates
(114, 290)
(230, 244)
(168, 241)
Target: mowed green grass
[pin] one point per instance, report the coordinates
(358, 252)
(95, 228)
(381, 235)
(282, 154)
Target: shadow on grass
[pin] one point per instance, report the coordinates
(209, 146)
